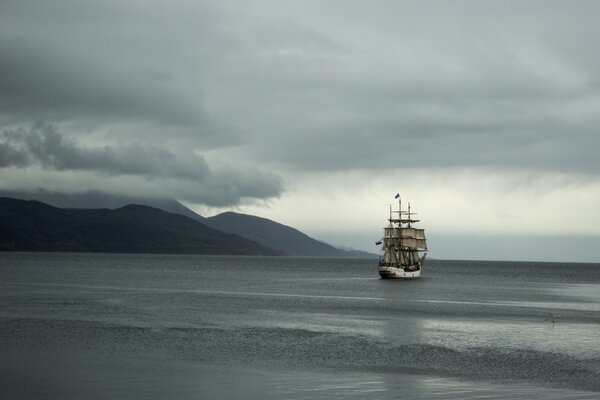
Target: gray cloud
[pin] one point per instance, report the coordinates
(307, 86)
(504, 106)
(549, 145)
(185, 174)
(51, 83)
(41, 144)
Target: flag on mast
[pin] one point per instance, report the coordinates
(397, 195)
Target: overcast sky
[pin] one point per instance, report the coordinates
(483, 114)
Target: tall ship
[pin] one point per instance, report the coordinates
(404, 246)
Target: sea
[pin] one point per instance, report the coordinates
(125, 326)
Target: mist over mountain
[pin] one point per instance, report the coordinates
(96, 199)
(277, 236)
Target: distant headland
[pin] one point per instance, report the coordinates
(30, 225)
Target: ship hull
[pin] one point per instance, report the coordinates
(386, 272)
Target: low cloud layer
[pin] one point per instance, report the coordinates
(41, 150)
(42, 145)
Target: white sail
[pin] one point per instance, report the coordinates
(419, 233)
(391, 232)
(412, 233)
(416, 233)
(412, 243)
(407, 232)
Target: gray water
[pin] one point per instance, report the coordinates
(101, 326)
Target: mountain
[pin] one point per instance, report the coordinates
(94, 199)
(285, 239)
(277, 236)
(35, 226)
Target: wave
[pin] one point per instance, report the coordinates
(304, 349)
(366, 353)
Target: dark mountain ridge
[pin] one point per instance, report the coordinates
(35, 226)
(283, 239)
(95, 199)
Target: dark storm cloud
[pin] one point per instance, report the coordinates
(43, 145)
(183, 174)
(50, 83)
(544, 142)
(479, 86)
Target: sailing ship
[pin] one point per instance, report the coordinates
(404, 247)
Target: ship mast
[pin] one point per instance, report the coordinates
(400, 251)
(400, 212)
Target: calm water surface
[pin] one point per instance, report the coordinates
(101, 326)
